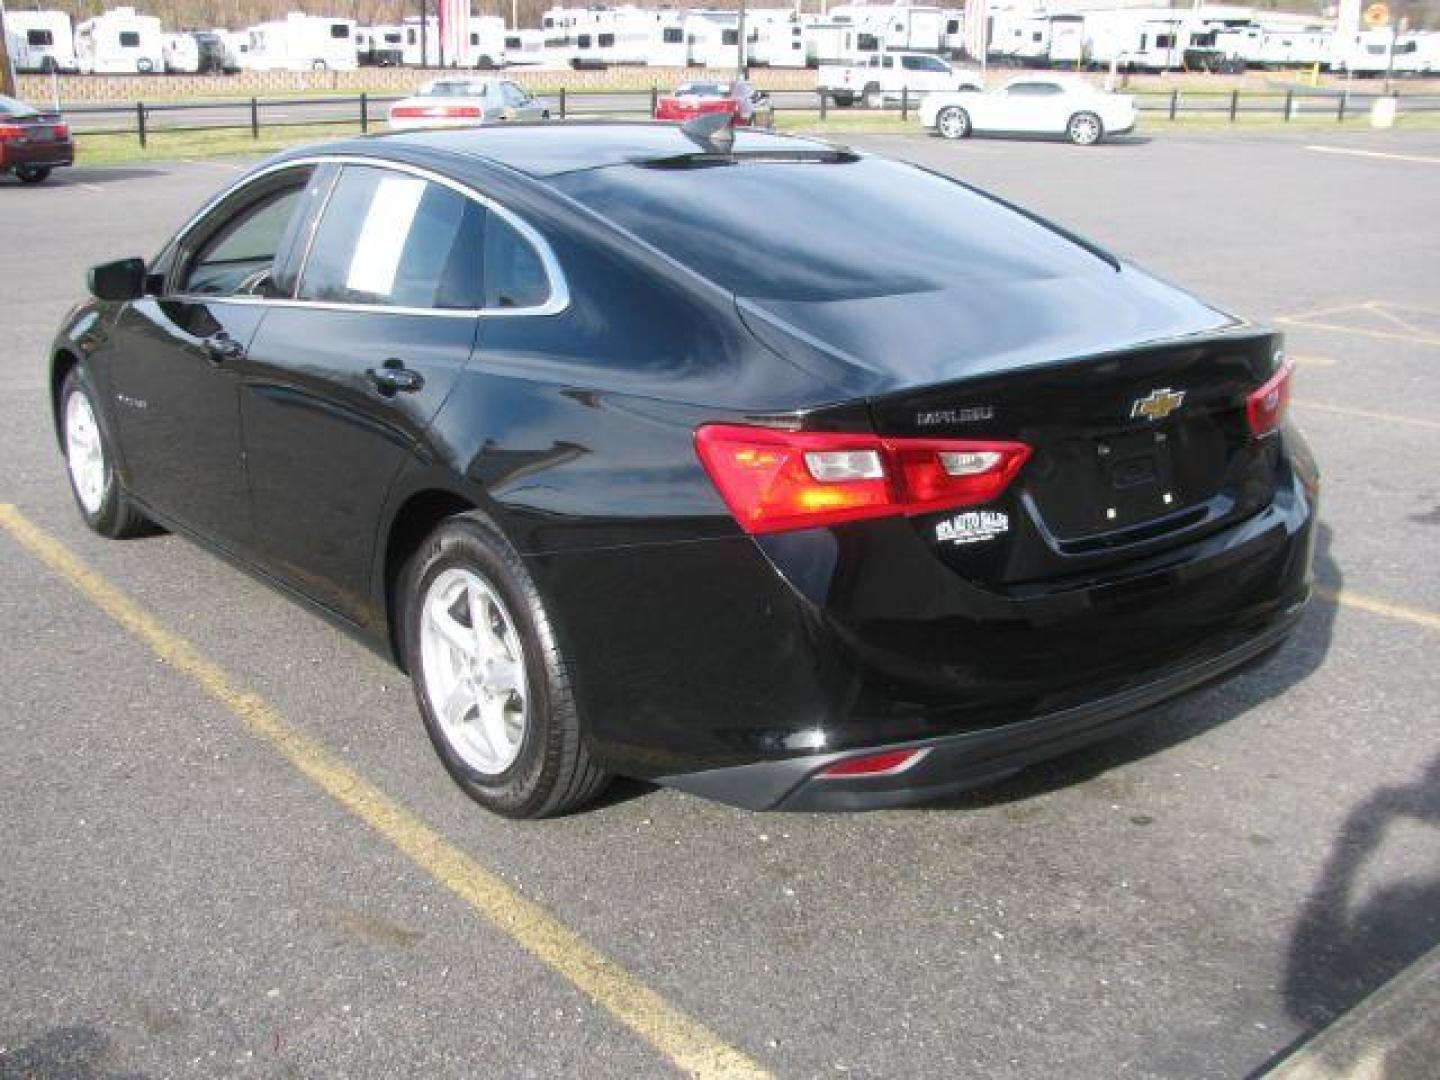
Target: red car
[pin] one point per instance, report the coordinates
(32, 142)
(694, 99)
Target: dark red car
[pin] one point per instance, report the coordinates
(694, 99)
(32, 142)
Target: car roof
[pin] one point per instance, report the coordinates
(555, 147)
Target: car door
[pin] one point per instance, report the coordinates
(341, 384)
(1027, 106)
(175, 365)
(520, 104)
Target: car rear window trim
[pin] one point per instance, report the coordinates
(558, 301)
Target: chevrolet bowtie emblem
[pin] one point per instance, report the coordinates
(1157, 404)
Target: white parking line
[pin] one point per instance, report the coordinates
(1423, 159)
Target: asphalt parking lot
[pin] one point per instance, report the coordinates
(228, 848)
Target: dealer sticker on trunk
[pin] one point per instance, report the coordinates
(973, 527)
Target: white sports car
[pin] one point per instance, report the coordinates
(463, 102)
(1033, 105)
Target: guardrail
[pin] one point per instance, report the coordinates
(366, 111)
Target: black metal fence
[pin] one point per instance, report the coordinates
(366, 112)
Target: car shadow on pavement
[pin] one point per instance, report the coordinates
(76, 1053)
(69, 178)
(1170, 725)
(1353, 934)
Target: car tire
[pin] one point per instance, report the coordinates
(1084, 129)
(90, 463)
(844, 101)
(528, 758)
(952, 122)
(32, 174)
(873, 98)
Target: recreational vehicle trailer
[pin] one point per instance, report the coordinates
(43, 41)
(119, 42)
(524, 47)
(778, 44)
(181, 53)
(302, 42)
(1066, 41)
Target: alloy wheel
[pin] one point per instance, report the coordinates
(473, 669)
(84, 452)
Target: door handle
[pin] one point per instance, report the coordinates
(394, 377)
(221, 348)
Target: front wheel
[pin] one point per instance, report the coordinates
(493, 688)
(90, 461)
(953, 122)
(32, 174)
(873, 97)
(1084, 129)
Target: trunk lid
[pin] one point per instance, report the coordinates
(1132, 452)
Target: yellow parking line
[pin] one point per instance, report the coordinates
(1369, 414)
(1376, 606)
(687, 1043)
(1382, 335)
(1383, 310)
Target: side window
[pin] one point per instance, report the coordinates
(396, 240)
(129, 39)
(240, 257)
(513, 95)
(514, 275)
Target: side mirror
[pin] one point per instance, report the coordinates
(123, 279)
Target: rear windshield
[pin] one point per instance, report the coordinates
(825, 231)
(11, 107)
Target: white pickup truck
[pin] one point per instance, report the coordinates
(885, 76)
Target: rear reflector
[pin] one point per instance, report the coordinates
(886, 763)
(777, 480)
(1265, 408)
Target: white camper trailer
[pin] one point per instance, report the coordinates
(952, 44)
(778, 44)
(524, 47)
(302, 43)
(1364, 53)
(182, 54)
(1020, 38)
(41, 41)
(119, 42)
(1066, 41)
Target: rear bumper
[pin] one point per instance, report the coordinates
(959, 762)
(47, 154)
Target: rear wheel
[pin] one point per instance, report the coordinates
(953, 122)
(493, 688)
(32, 174)
(90, 461)
(844, 99)
(1084, 129)
(873, 98)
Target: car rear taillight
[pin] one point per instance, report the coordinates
(62, 131)
(10, 132)
(1265, 408)
(776, 480)
(885, 763)
(438, 112)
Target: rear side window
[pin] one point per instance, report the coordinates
(339, 30)
(514, 274)
(39, 37)
(395, 240)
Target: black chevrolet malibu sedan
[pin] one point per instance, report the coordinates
(781, 473)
